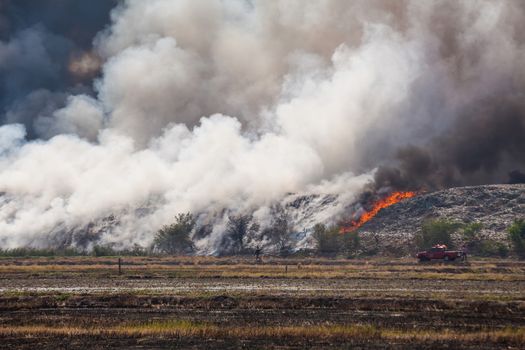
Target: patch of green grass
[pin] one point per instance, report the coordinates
(63, 296)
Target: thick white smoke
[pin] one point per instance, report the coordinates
(205, 105)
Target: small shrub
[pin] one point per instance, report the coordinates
(436, 232)
(370, 251)
(39, 252)
(136, 250)
(104, 250)
(350, 243)
(503, 250)
(470, 232)
(71, 252)
(491, 248)
(98, 250)
(517, 237)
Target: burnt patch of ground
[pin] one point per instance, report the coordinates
(377, 304)
(406, 314)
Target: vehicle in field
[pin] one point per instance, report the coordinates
(439, 252)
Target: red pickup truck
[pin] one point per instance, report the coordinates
(439, 252)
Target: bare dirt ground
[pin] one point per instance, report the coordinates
(79, 303)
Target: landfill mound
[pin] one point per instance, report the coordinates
(494, 206)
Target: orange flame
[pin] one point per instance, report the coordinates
(393, 198)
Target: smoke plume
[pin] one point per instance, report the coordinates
(46, 50)
(202, 105)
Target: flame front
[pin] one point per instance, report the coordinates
(393, 198)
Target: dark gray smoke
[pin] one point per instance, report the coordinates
(516, 177)
(484, 145)
(475, 132)
(39, 40)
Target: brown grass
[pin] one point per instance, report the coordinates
(178, 328)
(205, 267)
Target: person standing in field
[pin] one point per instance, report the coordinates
(464, 252)
(258, 254)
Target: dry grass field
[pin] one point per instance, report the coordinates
(200, 302)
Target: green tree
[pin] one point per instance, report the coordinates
(436, 232)
(517, 237)
(238, 227)
(175, 238)
(328, 240)
(280, 229)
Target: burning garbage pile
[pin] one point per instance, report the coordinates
(362, 215)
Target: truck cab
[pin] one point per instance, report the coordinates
(436, 253)
(439, 252)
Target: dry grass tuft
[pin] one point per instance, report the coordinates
(182, 328)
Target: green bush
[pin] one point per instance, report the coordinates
(175, 238)
(71, 252)
(350, 243)
(330, 241)
(470, 232)
(491, 248)
(104, 250)
(136, 250)
(98, 250)
(38, 252)
(436, 232)
(517, 237)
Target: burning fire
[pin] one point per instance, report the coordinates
(393, 198)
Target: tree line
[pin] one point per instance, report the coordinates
(330, 241)
(240, 228)
(175, 238)
(243, 234)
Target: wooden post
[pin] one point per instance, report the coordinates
(286, 268)
(119, 266)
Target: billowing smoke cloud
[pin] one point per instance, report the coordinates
(206, 105)
(46, 50)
